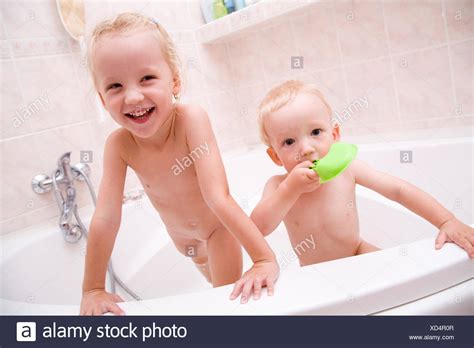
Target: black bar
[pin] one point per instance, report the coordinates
(240, 331)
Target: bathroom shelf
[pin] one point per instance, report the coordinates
(250, 18)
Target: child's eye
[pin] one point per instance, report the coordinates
(148, 77)
(288, 142)
(316, 131)
(113, 86)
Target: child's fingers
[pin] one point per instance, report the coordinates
(246, 291)
(270, 282)
(237, 289)
(257, 289)
(470, 238)
(440, 240)
(467, 245)
(304, 164)
(117, 298)
(113, 308)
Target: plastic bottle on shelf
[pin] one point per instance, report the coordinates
(229, 5)
(218, 9)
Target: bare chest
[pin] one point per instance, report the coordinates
(327, 216)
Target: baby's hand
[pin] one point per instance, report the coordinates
(263, 273)
(302, 179)
(97, 302)
(458, 232)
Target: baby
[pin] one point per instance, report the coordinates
(135, 69)
(295, 124)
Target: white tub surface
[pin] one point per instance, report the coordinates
(41, 274)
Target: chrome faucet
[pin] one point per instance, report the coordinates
(62, 179)
(65, 175)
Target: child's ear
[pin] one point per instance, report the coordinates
(176, 86)
(102, 100)
(273, 155)
(336, 132)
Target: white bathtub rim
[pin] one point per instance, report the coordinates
(288, 299)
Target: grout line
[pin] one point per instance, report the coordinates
(46, 130)
(450, 53)
(392, 69)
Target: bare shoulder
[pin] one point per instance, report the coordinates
(362, 172)
(355, 167)
(189, 113)
(119, 143)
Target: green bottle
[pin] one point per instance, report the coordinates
(338, 158)
(218, 9)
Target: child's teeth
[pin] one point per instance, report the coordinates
(138, 114)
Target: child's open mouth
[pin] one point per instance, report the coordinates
(142, 115)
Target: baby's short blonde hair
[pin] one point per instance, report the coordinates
(128, 21)
(279, 96)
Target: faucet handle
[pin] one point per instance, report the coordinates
(64, 165)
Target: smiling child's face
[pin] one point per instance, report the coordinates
(300, 130)
(134, 81)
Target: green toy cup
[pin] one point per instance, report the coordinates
(338, 158)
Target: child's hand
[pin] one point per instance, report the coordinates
(97, 302)
(263, 273)
(458, 232)
(302, 179)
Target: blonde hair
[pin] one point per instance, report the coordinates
(281, 95)
(129, 21)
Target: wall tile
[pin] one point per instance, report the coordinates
(245, 59)
(463, 76)
(460, 19)
(216, 68)
(52, 79)
(27, 19)
(278, 45)
(361, 30)
(315, 37)
(191, 70)
(247, 100)
(14, 112)
(414, 24)
(424, 84)
(372, 82)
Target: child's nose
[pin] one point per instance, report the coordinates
(307, 149)
(133, 96)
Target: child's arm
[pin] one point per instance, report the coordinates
(102, 232)
(280, 194)
(213, 183)
(419, 202)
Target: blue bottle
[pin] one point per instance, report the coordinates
(229, 4)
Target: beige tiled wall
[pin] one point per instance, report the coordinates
(411, 59)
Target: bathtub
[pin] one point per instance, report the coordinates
(42, 274)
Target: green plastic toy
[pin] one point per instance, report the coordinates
(338, 158)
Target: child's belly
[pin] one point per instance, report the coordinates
(186, 217)
(321, 243)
